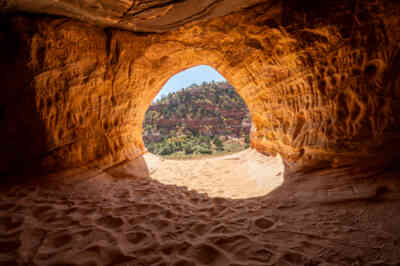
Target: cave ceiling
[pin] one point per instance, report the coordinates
(141, 16)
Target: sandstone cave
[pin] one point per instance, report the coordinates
(321, 79)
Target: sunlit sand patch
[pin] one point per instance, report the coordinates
(242, 175)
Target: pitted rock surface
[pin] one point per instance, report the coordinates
(321, 85)
(142, 15)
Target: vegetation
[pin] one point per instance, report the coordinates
(199, 120)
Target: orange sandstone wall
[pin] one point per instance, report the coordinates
(321, 83)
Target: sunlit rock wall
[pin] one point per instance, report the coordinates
(321, 83)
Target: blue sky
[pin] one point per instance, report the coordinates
(183, 79)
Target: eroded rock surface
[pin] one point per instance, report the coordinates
(142, 15)
(321, 83)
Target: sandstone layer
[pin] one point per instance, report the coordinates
(321, 82)
(134, 15)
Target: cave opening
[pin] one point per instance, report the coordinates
(198, 129)
(197, 113)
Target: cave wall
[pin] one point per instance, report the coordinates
(321, 83)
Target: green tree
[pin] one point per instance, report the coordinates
(167, 149)
(188, 148)
(218, 144)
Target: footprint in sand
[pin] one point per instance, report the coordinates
(136, 238)
(110, 222)
(183, 262)
(263, 223)
(55, 242)
(208, 255)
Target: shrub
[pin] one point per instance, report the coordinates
(188, 148)
(218, 144)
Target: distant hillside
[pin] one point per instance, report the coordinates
(201, 119)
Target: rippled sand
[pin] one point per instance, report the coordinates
(118, 216)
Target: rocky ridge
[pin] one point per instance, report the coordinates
(210, 109)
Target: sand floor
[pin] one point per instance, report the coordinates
(115, 217)
(242, 175)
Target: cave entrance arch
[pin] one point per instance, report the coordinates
(199, 115)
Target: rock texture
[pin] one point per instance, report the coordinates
(113, 217)
(142, 15)
(320, 80)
